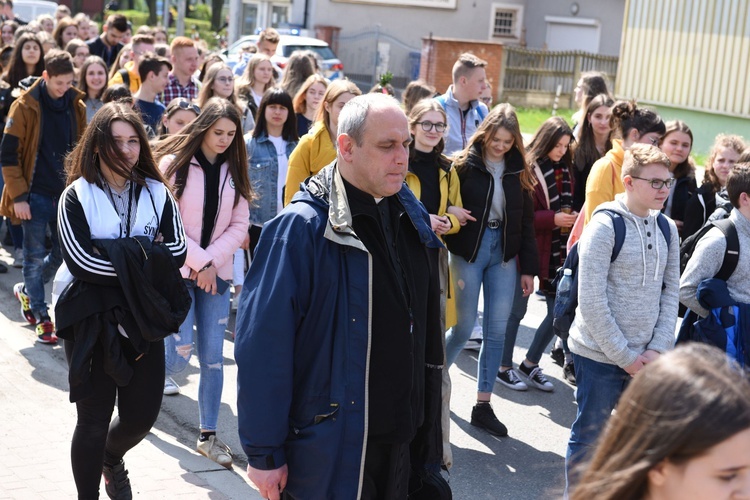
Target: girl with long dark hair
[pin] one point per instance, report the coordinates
(677, 143)
(207, 164)
(115, 193)
(593, 140)
(496, 187)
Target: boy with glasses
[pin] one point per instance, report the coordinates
(627, 307)
(708, 255)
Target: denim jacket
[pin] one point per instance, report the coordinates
(263, 171)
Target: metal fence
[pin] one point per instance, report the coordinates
(535, 75)
(371, 53)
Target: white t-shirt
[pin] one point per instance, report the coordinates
(280, 144)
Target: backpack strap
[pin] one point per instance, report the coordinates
(619, 226)
(480, 111)
(125, 77)
(663, 224)
(732, 252)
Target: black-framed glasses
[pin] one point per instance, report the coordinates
(427, 126)
(658, 183)
(183, 103)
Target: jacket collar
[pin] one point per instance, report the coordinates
(35, 89)
(327, 188)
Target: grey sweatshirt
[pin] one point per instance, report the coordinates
(622, 310)
(706, 262)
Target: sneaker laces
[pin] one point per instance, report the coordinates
(513, 377)
(536, 374)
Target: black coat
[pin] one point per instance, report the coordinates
(477, 188)
(697, 209)
(151, 303)
(684, 189)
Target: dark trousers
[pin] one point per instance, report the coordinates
(387, 471)
(96, 433)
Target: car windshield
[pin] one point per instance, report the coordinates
(324, 51)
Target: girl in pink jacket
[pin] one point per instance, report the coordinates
(207, 164)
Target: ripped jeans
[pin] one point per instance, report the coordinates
(209, 314)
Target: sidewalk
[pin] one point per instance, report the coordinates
(39, 421)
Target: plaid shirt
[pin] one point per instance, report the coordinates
(175, 90)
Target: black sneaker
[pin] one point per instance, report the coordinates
(558, 356)
(569, 373)
(116, 482)
(536, 377)
(483, 416)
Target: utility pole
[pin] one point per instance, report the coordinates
(181, 13)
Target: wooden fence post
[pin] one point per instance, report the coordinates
(576, 75)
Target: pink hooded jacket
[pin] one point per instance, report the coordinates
(231, 224)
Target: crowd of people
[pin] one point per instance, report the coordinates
(161, 188)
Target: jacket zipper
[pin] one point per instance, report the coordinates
(367, 376)
(481, 231)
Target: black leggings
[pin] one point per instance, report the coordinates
(138, 406)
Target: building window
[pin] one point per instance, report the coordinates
(506, 20)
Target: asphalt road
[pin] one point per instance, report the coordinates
(527, 464)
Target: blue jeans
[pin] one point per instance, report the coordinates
(39, 266)
(542, 337)
(599, 386)
(498, 279)
(210, 315)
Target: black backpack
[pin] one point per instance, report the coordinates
(731, 253)
(564, 311)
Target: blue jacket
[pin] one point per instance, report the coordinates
(458, 136)
(303, 341)
(263, 170)
(727, 325)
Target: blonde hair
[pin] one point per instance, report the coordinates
(641, 155)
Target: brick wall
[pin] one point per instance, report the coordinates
(439, 55)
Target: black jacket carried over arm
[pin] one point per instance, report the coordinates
(477, 187)
(150, 304)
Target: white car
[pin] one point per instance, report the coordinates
(28, 10)
(330, 65)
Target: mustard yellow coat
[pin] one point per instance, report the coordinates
(313, 152)
(450, 195)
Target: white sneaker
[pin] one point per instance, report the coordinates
(509, 378)
(216, 450)
(170, 387)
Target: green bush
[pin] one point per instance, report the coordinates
(200, 11)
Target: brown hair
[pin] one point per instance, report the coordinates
(584, 150)
(415, 92)
(97, 144)
(298, 68)
(300, 99)
(62, 25)
(675, 409)
(82, 84)
(417, 112)
(185, 144)
(58, 62)
(546, 138)
(722, 141)
(207, 91)
(687, 167)
(465, 64)
(502, 116)
(626, 116)
(141, 38)
(738, 182)
(335, 90)
(151, 63)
